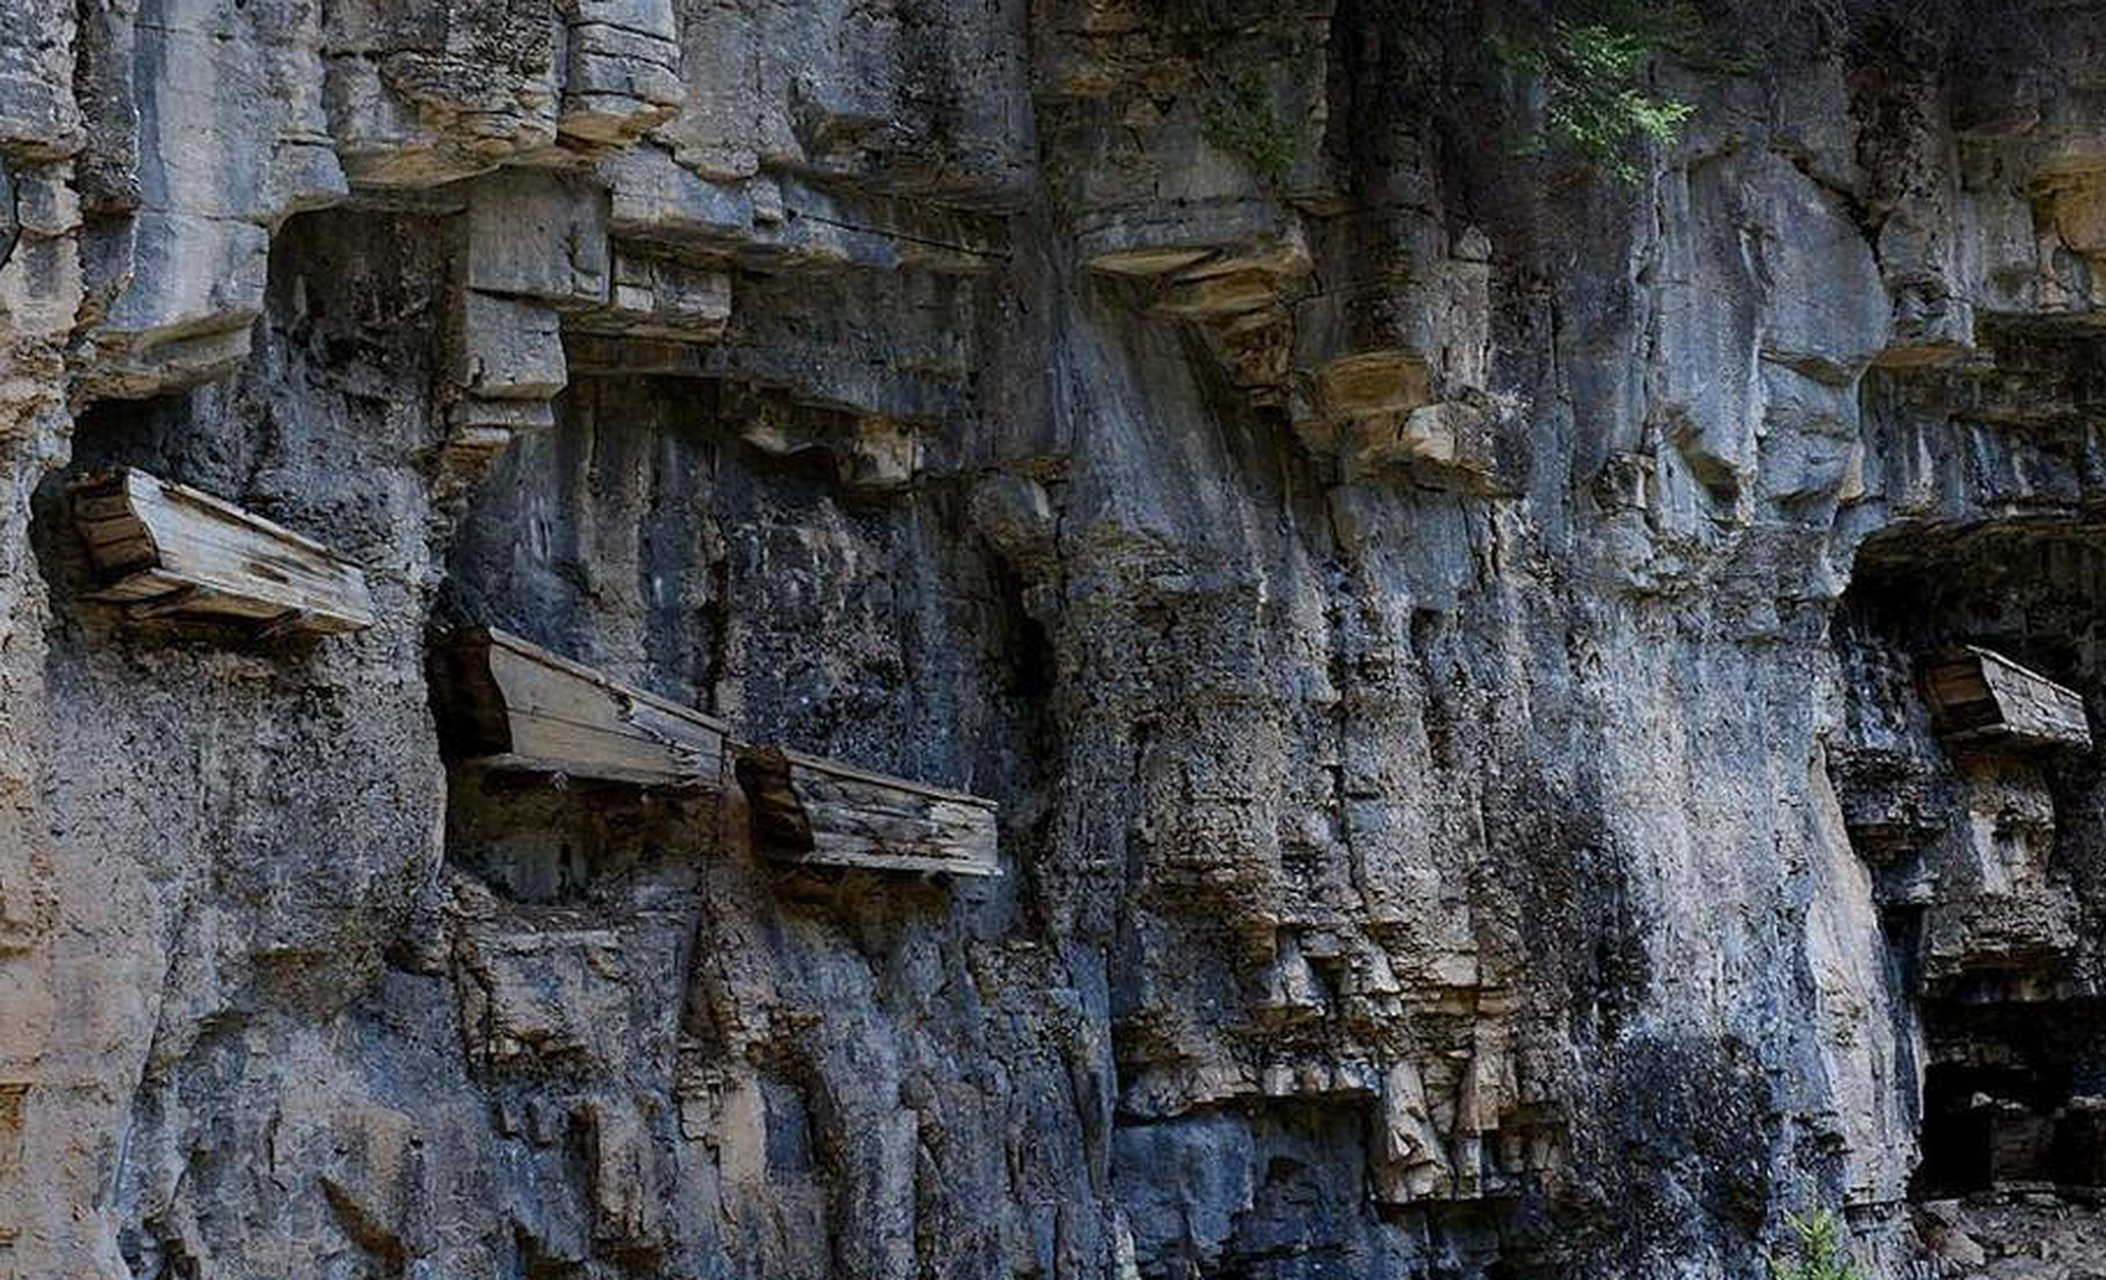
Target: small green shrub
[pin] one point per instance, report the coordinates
(1821, 1254)
(1593, 72)
(1241, 118)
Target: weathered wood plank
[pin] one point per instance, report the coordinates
(90, 506)
(150, 538)
(1979, 696)
(105, 534)
(507, 703)
(808, 810)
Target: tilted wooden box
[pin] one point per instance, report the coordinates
(166, 549)
(818, 811)
(1978, 696)
(505, 703)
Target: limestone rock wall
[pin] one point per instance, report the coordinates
(1440, 627)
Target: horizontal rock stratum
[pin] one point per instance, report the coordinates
(1118, 639)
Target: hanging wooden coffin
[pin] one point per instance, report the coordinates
(1980, 696)
(168, 550)
(508, 704)
(810, 810)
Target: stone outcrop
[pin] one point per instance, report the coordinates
(1441, 634)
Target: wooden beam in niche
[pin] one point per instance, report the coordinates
(163, 549)
(509, 705)
(505, 703)
(1980, 696)
(813, 811)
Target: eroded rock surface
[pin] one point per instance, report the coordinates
(1443, 629)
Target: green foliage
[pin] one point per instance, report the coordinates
(1241, 118)
(1821, 1255)
(1593, 70)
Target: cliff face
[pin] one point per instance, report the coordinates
(1445, 632)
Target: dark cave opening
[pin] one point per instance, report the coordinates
(2012, 1097)
(1983, 1125)
(1980, 824)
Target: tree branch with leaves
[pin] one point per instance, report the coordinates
(1593, 64)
